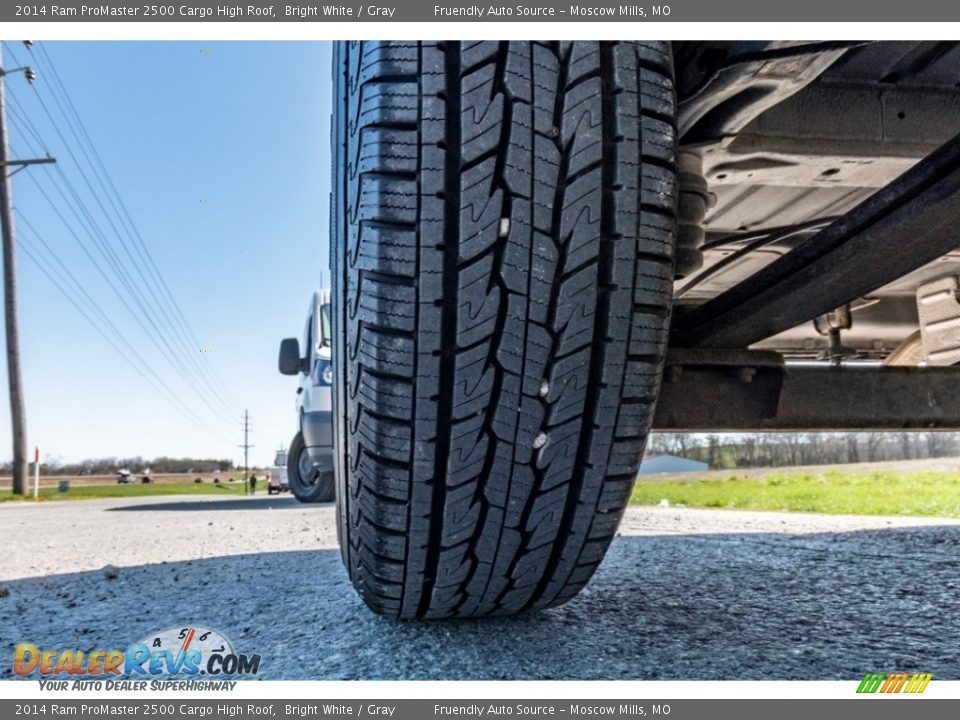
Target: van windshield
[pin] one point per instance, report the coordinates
(325, 325)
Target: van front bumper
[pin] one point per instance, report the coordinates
(317, 428)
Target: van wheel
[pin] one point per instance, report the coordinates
(307, 483)
(504, 218)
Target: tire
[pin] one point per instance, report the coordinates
(307, 485)
(503, 222)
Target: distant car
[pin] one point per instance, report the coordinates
(277, 481)
(310, 457)
(124, 477)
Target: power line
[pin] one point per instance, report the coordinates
(154, 318)
(109, 180)
(97, 308)
(129, 225)
(19, 115)
(145, 260)
(74, 290)
(156, 382)
(60, 283)
(90, 257)
(93, 230)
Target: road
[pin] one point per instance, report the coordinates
(160, 479)
(683, 594)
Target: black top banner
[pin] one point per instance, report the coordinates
(529, 10)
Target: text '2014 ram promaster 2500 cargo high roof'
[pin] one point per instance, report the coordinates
(541, 251)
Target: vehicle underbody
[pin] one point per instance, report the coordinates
(542, 250)
(818, 245)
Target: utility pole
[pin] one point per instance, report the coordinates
(246, 451)
(18, 419)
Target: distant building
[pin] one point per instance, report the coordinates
(666, 463)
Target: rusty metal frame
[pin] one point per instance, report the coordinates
(731, 391)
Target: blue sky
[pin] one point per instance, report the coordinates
(220, 152)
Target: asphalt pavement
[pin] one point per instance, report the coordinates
(682, 594)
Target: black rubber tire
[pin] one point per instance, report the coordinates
(320, 489)
(503, 222)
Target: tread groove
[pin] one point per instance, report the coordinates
(448, 328)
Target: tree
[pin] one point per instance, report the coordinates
(906, 445)
(713, 452)
(853, 447)
(750, 450)
(934, 444)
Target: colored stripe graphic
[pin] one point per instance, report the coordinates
(918, 683)
(870, 683)
(894, 683)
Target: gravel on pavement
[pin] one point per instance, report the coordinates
(683, 594)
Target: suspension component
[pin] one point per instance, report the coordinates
(695, 200)
(829, 325)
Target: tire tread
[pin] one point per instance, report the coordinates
(508, 212)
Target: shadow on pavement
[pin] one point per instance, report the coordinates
(247, 503)
(723, 606)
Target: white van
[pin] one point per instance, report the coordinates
(310, 457)
(277, 481)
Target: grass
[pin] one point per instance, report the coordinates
(88, 492)
(926, 492)
(929, 493)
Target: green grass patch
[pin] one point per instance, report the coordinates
(88, 492)
(835, 492)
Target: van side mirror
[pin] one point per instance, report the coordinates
(289, 361)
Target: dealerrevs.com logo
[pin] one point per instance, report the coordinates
(189, 652)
